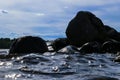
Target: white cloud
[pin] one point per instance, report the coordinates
(40, 14)
(91, 2)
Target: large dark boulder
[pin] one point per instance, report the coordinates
(28, 44)
(85, 27)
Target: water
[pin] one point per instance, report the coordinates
(58, 66)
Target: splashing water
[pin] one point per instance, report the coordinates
(59, 66)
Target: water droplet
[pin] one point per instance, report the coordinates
(89, 62)
(21, 61)
(55, 69)
(1, 63)
(68, 57)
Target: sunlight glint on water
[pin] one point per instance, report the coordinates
(59, 66)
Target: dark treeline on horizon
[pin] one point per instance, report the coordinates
(5, 43)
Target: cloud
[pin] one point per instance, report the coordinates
(52, 16)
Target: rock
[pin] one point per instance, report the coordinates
(117, 58)
(90, 47)
(112, 33)
(59, 43)
(111, 46)
(68, 49)
(85, 27)
(28, 44)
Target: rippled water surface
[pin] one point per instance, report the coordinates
(58, 66)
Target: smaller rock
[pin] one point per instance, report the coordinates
(90, 47)
(111, 46)
(68, 49)
(59, 43)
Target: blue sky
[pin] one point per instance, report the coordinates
(49, 18)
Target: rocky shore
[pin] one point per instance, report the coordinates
(85, 34)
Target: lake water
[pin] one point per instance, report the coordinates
(58, 66)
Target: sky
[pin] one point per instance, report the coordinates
(49, 18)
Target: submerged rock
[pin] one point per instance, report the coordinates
(85, 27)
(31, 59)
(28, 44)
